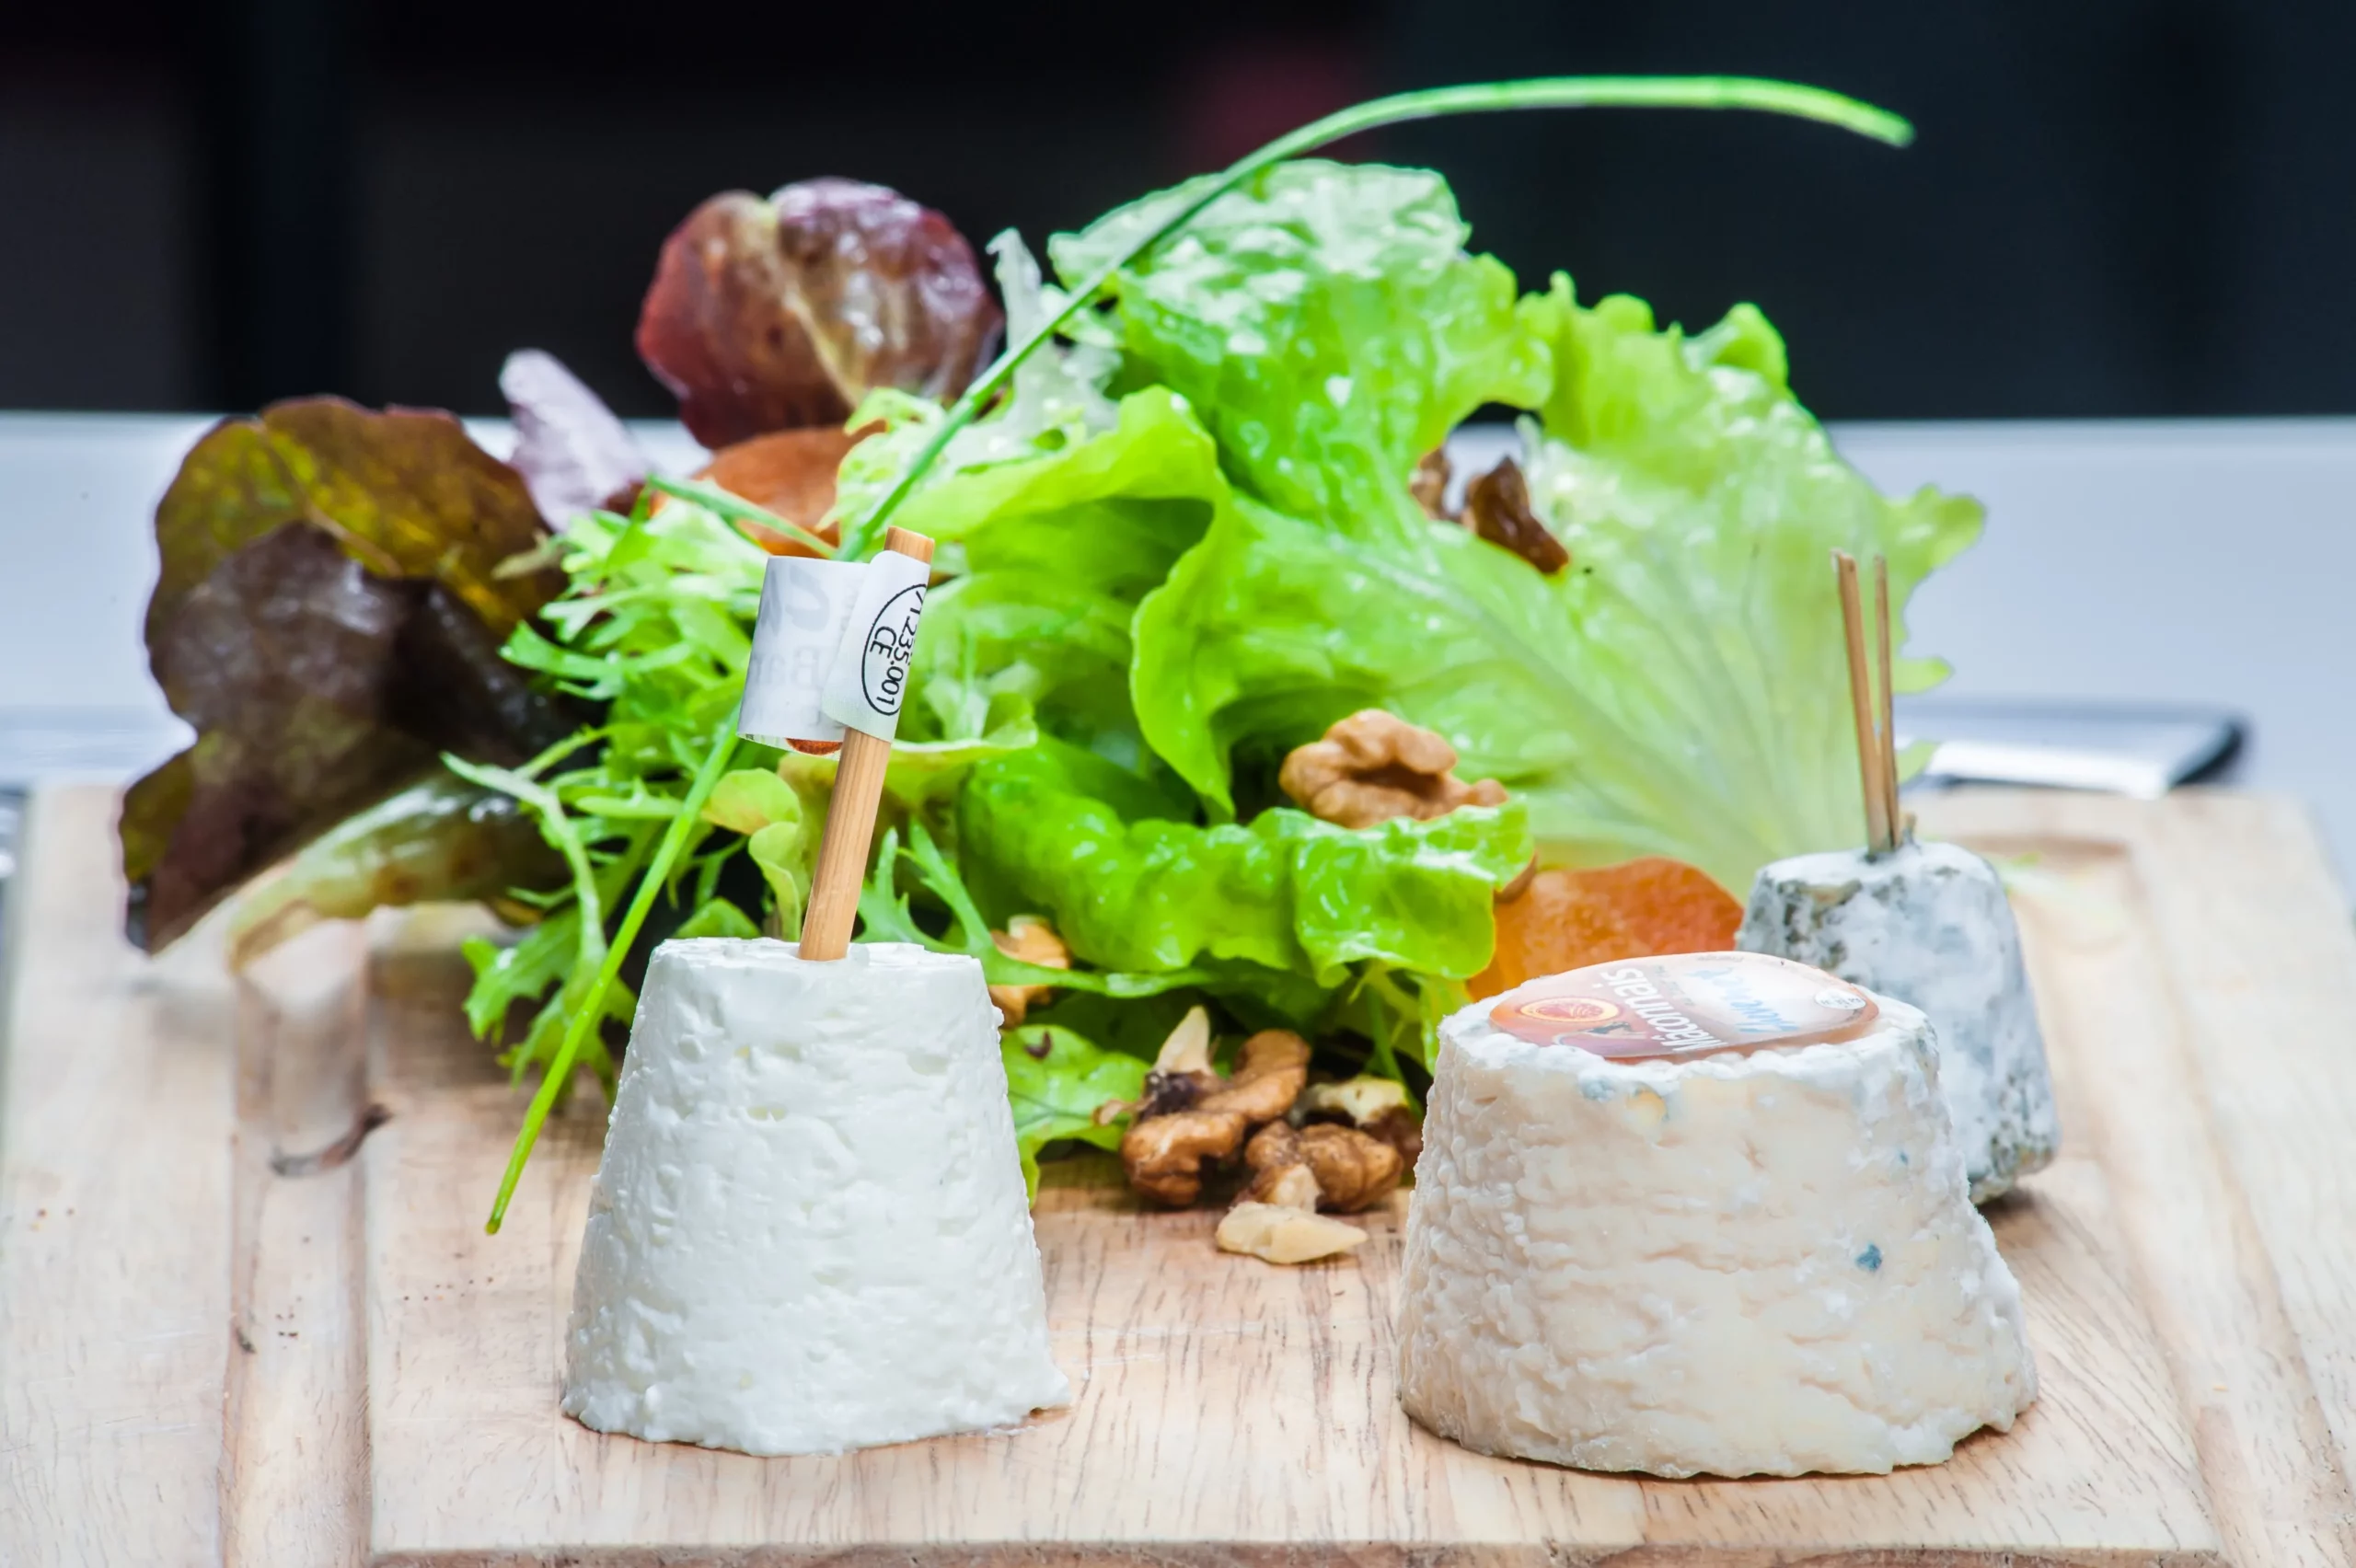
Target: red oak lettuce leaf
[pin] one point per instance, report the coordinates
(328, 619)
(572, 452)
(780, 314)
(442, 838)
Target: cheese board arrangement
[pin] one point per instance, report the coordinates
(220, 1343)
(1112, 962)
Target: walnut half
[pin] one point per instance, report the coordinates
(1353, 1170)
(1164, 1155)
(1373, 766)
(1269, 1076)
(1191, 1117)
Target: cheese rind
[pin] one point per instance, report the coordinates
(1929, 923)
(808, 1231)
(1760, 1264)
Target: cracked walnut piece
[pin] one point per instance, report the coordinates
(1353, 1170)
(1373, 766)
(1281, 1234)
(1164, 1155)
(1363, 1099)
(1270, 1073)
(1180, 1076)
(1190, 1116)
(1287, 1186)
(1376, 1106)
(1030, 940)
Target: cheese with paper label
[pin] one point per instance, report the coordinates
(1701, 1214)
(1929, 923)
(810, 1230)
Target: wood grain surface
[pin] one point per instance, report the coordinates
(117, 1112)
(2190, 1264)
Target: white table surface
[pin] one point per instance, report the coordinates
(2206, 561)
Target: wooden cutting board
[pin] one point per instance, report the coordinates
(225, 1336)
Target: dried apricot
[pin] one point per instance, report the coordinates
(1667, 905)
(1569, 919)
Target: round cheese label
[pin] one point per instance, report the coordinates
(1686, 1004)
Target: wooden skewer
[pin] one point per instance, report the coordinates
(1861, 706)
(1889, 702)
(850, 820)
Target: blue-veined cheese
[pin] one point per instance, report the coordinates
(1694, 1259)
(808, 1231)
(1928, 923)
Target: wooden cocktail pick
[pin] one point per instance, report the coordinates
(1877, 758)
(1897, 828)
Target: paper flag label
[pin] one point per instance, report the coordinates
(870, 672)
(806, 606)
(830, 648)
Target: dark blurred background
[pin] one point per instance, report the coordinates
(2115, 208)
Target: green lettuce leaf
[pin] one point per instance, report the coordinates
(1056, 1080)
(920, 773)
(1700, 503)
(750, 799)
(1680, 690)
(887, 915)
(782, 852)
(655, 625)
(1327, 324)
(535, 968)
(1058, 551)
(1286, 892)
(1058, 398)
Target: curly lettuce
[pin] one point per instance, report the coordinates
(1058, 550)
(1130, 890)
(1678, 691)
(1328, 326)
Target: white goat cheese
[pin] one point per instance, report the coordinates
(1928, 924)
(808, 1231)
(1701, 1262)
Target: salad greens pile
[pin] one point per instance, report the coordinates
(1177, 539)
(1183, 545)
